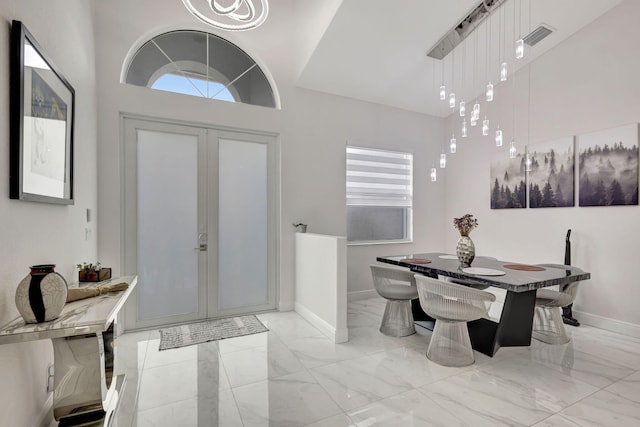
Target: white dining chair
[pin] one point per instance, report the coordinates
(398, 287)
(548, 326)
(452, 306)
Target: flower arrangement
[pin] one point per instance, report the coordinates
(92, 272)
(87, 266)
(465, 224)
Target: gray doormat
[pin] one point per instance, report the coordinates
(209, 330)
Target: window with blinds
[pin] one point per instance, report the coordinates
(379, 195)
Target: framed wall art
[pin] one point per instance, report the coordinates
(41, 120)
(508, 181)
(608, 167)
(551, 178)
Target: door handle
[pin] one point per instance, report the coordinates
(201, 248)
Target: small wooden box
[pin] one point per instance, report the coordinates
(94, 276)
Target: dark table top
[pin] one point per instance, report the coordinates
(513, 280)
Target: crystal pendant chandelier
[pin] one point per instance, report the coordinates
(434, 174)
(504, 71)
(443, 160)
(519, 49)
(452, 144)
(463, 109)
(463, 130)
(452, 100)
(485, 126)
(499, 138)
(489, 92)
(512, 150)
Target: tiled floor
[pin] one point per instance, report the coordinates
(293, 376)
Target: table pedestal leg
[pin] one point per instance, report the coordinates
(85, 390)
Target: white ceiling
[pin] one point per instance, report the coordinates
(375, 50)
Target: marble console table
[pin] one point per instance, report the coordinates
(86, 391)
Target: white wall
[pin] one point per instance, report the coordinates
(588, 83)
(313, 129)
(36, 233)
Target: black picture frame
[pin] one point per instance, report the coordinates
(42, 105)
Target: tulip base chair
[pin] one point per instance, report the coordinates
(398, 288)
(452, 306)
(548, 326)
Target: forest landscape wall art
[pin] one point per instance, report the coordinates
(608, 167)
(551, 178)
(508, 181)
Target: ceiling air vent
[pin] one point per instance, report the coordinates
(537, 35)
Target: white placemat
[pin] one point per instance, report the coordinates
(448, 257)
(479, 271)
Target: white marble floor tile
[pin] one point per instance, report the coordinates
(407, 409)
(294, 376)
(289, 401)
(260, 363)
(245, 342)
(620, 349)
(508, 393)
(318, 351)
(186, 380)
(340, 420)
(597, 370)
(628, 387)
(600, 409)
(371, 340)
(288, 325)
(195, 412)
(157, 358)
(358, 382)
(413, 366)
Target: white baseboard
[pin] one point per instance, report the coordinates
(358, 295)
(624, 328)
(337, 335)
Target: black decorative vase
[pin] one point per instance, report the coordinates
(40, 297)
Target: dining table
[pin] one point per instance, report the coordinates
(520, 281)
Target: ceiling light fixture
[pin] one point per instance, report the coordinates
(239, 15)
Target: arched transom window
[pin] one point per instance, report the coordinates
(200, 64)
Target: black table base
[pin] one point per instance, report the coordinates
(487, 336)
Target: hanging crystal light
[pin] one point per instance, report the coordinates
(485, 126)
(527, 162)
(476, 110)
(452, 144)
(463, 109)
(512, 150)
(499, 138)
(452, 100)
(443, 160)
(463, 130)
(434, 175)
(519, 49)
(443, 93)
(489, 92)
(504, 71)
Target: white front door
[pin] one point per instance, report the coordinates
(199, 222)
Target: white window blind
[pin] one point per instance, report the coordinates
(379, 178)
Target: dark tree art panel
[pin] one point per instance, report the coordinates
(508, 181)
(608, 167)
(551, 178)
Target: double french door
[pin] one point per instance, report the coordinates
(199, 222)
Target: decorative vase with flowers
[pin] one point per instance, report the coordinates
(465, 249)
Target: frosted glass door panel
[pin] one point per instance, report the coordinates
(242, 238)
(167, 224)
